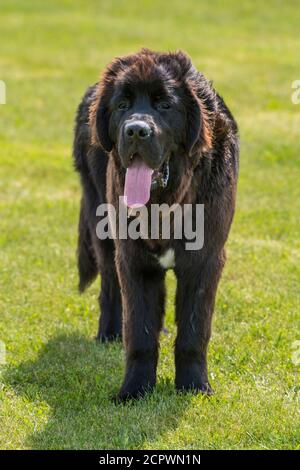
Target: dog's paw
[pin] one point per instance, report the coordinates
(125, 396)
(192, 379)
(103, 338)
(133, 390)
(204, 388)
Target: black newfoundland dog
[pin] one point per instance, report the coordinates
(153, 128)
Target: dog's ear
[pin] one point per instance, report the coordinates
(99, 118)
(99, 110)
(198, 128)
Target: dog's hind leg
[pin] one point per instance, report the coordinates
(110, 321)
(97, 257)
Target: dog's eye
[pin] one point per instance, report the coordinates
(163, 105)
(124, 104)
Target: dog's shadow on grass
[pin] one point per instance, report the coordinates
(74, 378)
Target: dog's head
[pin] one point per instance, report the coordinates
(149, 109)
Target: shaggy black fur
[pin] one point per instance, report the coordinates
(197, 134)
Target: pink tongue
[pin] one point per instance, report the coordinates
(137, 184)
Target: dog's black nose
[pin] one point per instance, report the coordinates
(137, 130)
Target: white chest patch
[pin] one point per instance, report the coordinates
(167, 260)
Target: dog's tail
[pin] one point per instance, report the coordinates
(87, 265)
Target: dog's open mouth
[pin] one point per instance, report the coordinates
(141, 179)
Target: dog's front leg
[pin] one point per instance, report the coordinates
(143, 295)
(195, 297)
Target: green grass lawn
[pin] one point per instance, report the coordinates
(55, 388)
